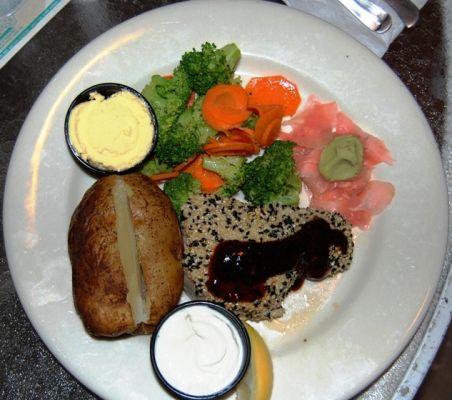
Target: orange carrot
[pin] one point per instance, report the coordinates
(275, 89)
(231, 148)
(210, 181)
(164, 176)
(245, 135)
(268, 125)
(225, 106)
(185, 164)
(236, 141)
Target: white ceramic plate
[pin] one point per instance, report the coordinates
(349, 329)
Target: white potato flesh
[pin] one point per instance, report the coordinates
(128, 253)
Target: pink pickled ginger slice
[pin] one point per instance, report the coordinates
(314, 126)
(357, 199)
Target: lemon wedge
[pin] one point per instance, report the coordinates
(257, 383)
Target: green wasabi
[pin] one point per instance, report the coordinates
(342, 158)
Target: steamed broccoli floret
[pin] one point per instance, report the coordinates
(186, 138)
(176, 146)
(231, 169)
(210, 66)
(180, 189)
(168, 97)
(193, 121)
(272, 178)
(154, 167)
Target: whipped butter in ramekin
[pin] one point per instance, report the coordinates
(110, 128)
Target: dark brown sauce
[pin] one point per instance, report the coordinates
(238, 269)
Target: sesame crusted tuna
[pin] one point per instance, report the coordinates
(207, 220)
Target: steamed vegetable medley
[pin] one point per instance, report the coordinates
(209, 124)
(217, 135)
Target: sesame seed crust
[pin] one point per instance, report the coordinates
(207, 220)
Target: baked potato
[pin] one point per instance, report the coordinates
(125, 248)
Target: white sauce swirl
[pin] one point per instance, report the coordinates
(198, 351)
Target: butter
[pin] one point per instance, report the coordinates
(114, 133)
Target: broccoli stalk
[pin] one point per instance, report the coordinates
(231, 169)
(232, 54)
(180, 189)
(210, 66)
(272, 178)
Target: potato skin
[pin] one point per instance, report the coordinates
(99, 284)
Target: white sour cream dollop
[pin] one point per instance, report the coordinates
(198, 351)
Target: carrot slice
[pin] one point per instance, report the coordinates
(164, 176)
(268, 125)
(275, 89)
(239, 135)
(231, 148)
(184, 165)
(236, 141)
(225, 106)
(210, 181)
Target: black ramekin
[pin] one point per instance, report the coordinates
(242, 334)
(107, 90)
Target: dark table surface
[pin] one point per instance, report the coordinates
(27, 369)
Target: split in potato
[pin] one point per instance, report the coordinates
(125, 248)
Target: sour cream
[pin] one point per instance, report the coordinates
(199, 351)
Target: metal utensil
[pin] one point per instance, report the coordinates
(407, 11)
(368, 13)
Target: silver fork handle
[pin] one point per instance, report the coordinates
(368, 13)
(407, 11)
